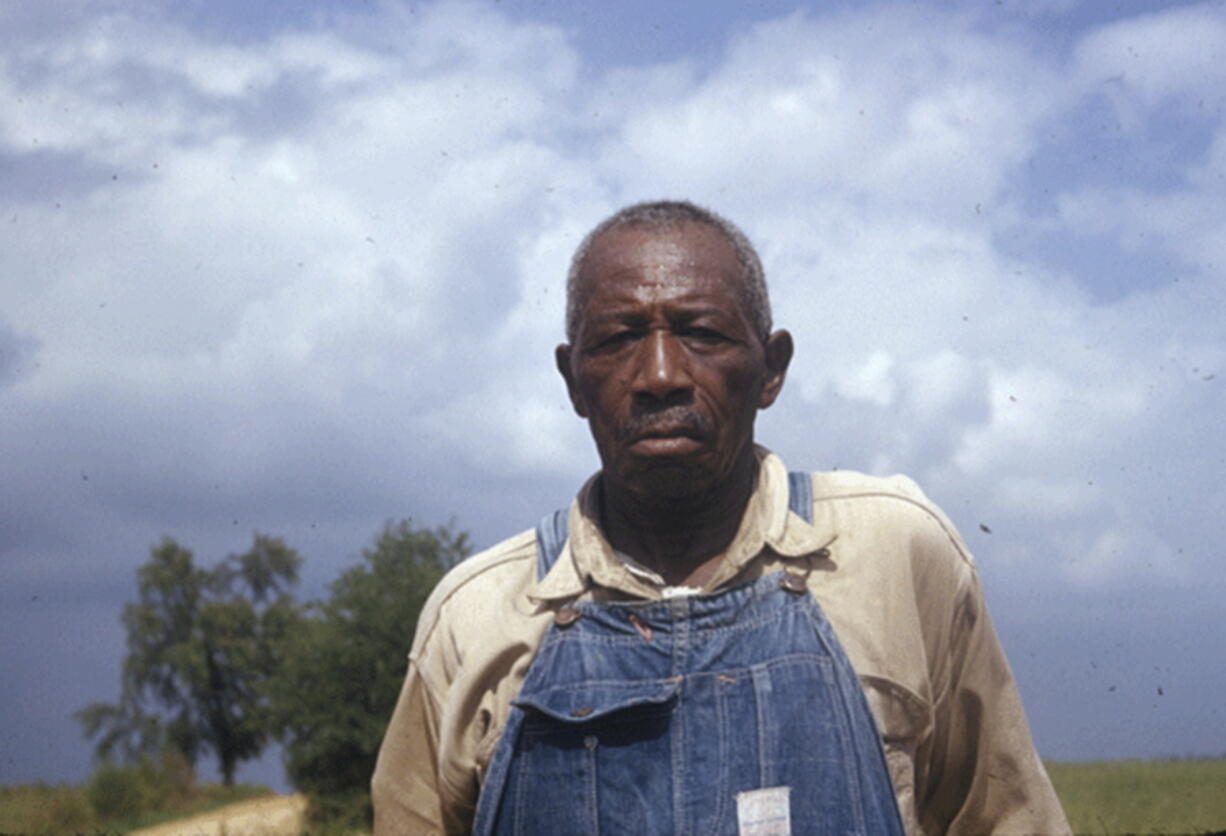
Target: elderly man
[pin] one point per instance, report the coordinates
(704, 642)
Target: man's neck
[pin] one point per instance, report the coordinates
(682, 539)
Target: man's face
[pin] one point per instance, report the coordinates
(666, 364)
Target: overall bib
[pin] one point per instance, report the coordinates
(651, 717)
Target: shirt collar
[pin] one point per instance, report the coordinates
(587, 558)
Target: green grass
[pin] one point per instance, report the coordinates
(43, 809)
(205, 797)
(1159, 796)
(1115, 797)
(40, 808)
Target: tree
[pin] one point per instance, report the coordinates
(200, 653)
(342, 669)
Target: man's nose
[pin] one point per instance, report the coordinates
(663, 371)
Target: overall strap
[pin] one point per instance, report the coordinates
(551, 531)
(550, 537)
(800, 495)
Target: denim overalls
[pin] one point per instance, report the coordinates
(651, 717)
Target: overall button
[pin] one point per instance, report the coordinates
(581, 712)
(793, 582)
(566, 616)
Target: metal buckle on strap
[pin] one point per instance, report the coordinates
(794, 582)
(565, 616)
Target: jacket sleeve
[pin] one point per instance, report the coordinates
(405, 785)
(984, 775)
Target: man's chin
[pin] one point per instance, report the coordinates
(668, 480)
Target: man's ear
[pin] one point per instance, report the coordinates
(778, 356)
(561, 356)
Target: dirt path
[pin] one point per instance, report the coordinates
(275, 815)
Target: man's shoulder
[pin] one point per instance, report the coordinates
(895, 501)
(512, 555)
(481, 583)
(829, 485)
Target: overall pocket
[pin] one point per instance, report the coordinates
(588, 758)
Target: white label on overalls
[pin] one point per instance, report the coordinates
(764, 812)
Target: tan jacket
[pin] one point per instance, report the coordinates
(898, 585)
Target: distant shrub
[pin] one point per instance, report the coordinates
(177, 778)
(126, 790)
(119, 790)
(341, 666)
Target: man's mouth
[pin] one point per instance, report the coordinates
(666, 445)
(672, 433)
(667, 424)
(685, 431)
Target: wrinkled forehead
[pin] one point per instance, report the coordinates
(641, 255)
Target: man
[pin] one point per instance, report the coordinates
(703, 642)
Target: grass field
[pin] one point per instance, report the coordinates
(39, 808)
(1160, 796)
(44, 809)
(1114, 797)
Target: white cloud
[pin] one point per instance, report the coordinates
(872, 381)
(1124, 554)
(912, 104)
(940, 383)
(1177, 54)
(387, 207)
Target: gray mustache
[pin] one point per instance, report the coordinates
(677, 417)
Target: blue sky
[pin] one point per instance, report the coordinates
(300, 272)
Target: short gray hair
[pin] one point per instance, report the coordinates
(671, 213)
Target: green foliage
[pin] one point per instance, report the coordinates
(120, 790)
(1160, 796)
(131, 789)
(219, 660)
(343, 666)
(200, 651)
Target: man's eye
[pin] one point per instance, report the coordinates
(703, 335)
(614, 341)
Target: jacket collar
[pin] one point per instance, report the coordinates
(588, 560)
